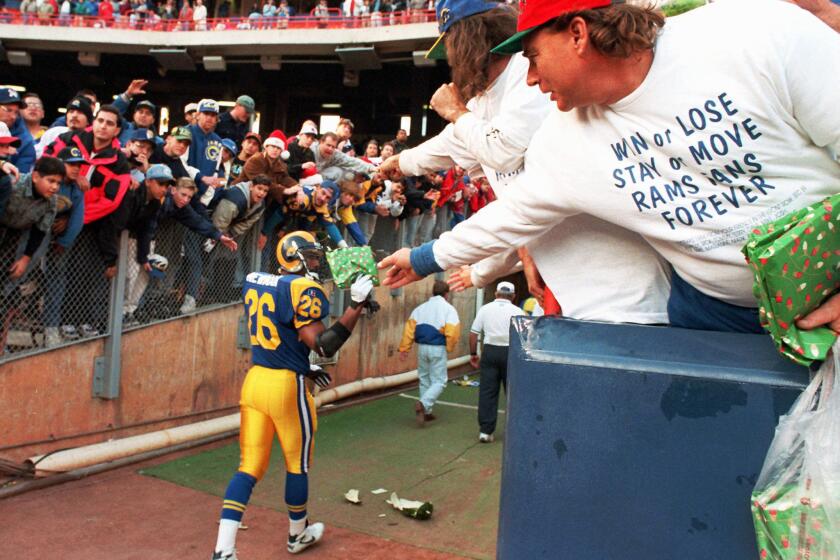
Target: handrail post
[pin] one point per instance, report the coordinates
(107, 368)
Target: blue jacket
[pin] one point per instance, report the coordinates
(77, 213)
(24, 159)
(205, 154)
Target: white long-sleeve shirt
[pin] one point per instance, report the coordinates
(716, 139)
(573, 258)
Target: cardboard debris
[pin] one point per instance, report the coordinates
(352, 496)
(411, 508)
(378, 491)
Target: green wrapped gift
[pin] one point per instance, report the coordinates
(347, 264)
(795, 261)
(792, 526)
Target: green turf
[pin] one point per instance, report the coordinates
(378, 445)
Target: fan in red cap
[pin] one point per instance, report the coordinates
(278, 139)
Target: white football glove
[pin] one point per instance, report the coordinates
(360, 290)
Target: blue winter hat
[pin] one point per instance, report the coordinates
(450, 11)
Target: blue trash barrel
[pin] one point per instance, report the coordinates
(634, 442)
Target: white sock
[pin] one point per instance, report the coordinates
(226, 540)
(296, 526)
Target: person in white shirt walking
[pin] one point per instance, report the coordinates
(435, 327)
(493, 321)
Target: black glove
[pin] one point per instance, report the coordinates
(317, 374)
(372, 306)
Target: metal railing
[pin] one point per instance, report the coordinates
(146, 22)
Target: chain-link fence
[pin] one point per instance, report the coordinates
(66, 295)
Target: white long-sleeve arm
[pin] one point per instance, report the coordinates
(484, 272)
(498, 138)
(534, 204)
(437, 153)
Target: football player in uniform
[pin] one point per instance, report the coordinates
(284, 321)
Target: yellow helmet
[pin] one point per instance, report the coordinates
(291, 251)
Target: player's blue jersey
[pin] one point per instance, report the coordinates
(277, 306)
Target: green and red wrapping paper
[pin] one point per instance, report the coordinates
(346, 264)
(793, 526)
(796, 262)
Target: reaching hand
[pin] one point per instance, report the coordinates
(400, 272)
(474, 361)
(536, 285)
(136, 87)
(389, 165)
(461, 279)
(317, 374)
(361, 289)
(9, 169)
(19, 267)
(228, 242)
(448, 103)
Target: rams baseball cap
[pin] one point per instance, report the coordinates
(534, 13)
(181, 133)
(505, 288)
(71, 154)
(160, 173)
(208, 106)
(9, 96)
(450, 11)
(143, 135)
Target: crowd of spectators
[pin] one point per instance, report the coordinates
(68, 190)
(194, 14)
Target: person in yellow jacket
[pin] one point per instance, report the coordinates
(435, 327)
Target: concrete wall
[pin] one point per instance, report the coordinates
(174, 373)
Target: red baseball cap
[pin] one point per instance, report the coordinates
(6, 136)
(534, 13)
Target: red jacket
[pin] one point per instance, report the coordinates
(107, 171)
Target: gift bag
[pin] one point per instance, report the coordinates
(346, 264)
(796, 501)
(795, 262)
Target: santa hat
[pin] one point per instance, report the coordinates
(278, 139)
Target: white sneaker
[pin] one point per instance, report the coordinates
(52, 337)
(485, 438)
(69, 332)
(88, 330)
(188, 306)
(306, 538)
(229, 556)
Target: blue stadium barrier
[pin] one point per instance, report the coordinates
(634, 442)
